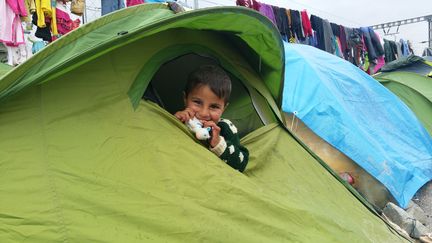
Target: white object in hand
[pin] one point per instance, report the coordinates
(201, 133)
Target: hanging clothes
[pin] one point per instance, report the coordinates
(355, 45)
(380, 62)
(45, 9)
(399, 49)
(317, 26)
(28, 8)
(64, 23)
(18, 7)
(376, 42)
(109, 6)
(343, 42)
(328, 37)
(390, 50)
(306, 24)
(267, 11)
(371, 51)
(11, 30)
(278, 18)
(410, 49)
(253, 4)
(296, 25)
(350, 47)
(285, 26)
(335, 29)
(404, 48)
(31, 6)
(17, 54)
(42, 32)
(130, 3)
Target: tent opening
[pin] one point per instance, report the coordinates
(166, 89)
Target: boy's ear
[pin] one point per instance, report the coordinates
(184, 98)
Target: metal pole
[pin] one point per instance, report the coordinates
(84, 16)
(195, 4)
(430, 32)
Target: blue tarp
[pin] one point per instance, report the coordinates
(358, 116)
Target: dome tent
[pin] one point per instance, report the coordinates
(85, 158)
(4, 68)
(414, 90)
(359, 117)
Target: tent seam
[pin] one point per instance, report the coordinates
(53, 190)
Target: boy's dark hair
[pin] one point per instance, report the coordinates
(213, 76)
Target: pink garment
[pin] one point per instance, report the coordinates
(133, 2)
(11, 30)
(64, 22)
(380, 62)
(18, 7)
(307, 27)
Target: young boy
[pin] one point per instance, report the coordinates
(206, 96)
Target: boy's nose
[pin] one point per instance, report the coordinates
(204, 114)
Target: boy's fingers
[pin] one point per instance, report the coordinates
(190, 113)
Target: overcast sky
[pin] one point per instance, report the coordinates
(355, 13)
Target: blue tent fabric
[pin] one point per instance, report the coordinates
(358, 116)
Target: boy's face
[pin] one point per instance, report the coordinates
(206, 104)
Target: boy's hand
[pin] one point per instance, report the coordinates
(215, 131)
(185, 115)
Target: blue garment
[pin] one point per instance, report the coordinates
(404, 48)
(37, 46)
(109, 6)
(358, 116)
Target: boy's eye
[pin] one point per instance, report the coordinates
(214, 107)
(197, 102)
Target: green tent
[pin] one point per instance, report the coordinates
(85, 159)
(411, 63)
(414, 90)
(4, 68)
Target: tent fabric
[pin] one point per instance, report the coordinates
(410, 63)
(4, 68)
(80, 161)
(101, 171)
(359, 117)
(414, 90)
(123, 27)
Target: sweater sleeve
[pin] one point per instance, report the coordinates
(229, 148)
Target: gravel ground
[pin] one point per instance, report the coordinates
(423, 198)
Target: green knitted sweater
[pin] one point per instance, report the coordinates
(229, 148)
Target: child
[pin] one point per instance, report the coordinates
(206, 96)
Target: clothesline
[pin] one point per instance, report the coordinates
(362, 45)
(28, 25)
